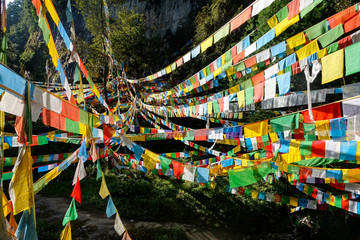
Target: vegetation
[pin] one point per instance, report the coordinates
(142, 196)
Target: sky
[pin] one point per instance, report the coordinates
(9, 1)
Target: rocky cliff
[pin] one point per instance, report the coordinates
(162, 16)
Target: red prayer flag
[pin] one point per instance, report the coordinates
(240, 19)
(70, 111)
(330, 111)
(343, 43)
(294, 8)
(53, 119)
(239, 57)
(352, 23)
(108, 132)
(76, 193)
(318, 148)
(342, 17)
(178, 169)
(19, 128)
(233, 51)
(37, 5)
(258, 78)
(250, 61)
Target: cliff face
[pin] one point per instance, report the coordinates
(162, 16)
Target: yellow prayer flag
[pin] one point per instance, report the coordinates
(323, 129)
(230, 71)
(296, 40)
(308, 50)
(21, 186)
(272, 22)
(274, 137)
(50, 7)
(351, 174)
(207, 43)
(51, 135)
(322, 53)
(294, 148)
(254, 194)
(66, 233)
(333, 66)
(241, 98)
(6, 205)
(53, 52)
(217, 72)
(285, 24)
(52, 174)
(104, 191)
(294, 201)
(168, 69)
(210, 108)
(256, 129)
(358, 152)
(234, 89)
(223, 59)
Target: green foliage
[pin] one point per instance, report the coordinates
(22, 23)
(33, 59)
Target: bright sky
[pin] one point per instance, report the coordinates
(9, 1)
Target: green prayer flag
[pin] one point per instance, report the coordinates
(216, 108)
(240, 67)
(71, 213)
(305, 148)
(165, 163)
(314, 162)
(246, 84)
(223, 32)
(72, 126)
(38, 185)
(338, 201)
(4, 47)
(69, 16)
(247, 176)
(226, 66)
(282, 14)
(317, 30)
(310, 8)
(228, 56)
(352, 60)
(208, 71)
(84, 117)
(98, 168)
(44, 29)
(249, 95)
(285, 199)
(309, 131)
(331, 35)
(332, 48)
(42, 140)
(285, 123)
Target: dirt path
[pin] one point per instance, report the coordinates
(98, 226)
